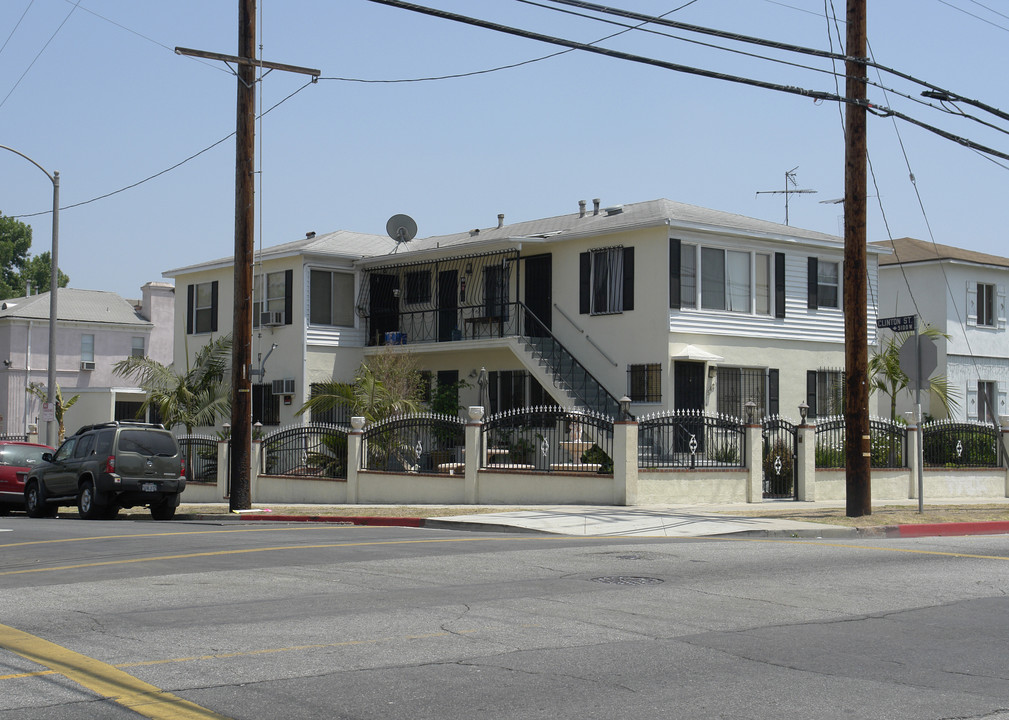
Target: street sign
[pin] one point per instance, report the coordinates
(900, 323)
(929, 360)
(48, 412)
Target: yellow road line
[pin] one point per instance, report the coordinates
(104, 679)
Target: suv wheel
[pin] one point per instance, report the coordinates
(86, 505)
(165, 510)
(35, 504)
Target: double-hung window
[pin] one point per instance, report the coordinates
(201, 308)
(732, 280)
(331, 298)
(137, 347)
(87, 348)
(606, 281)
(985, 305)
(823, 283)
(270, 294)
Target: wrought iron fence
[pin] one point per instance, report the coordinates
(887, 443)
(19, 438)
(200, 452)
(946, 443)
(316, 450)
(422, 442)
(691, 439)
(549, 439)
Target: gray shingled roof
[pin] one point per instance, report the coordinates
(96, 306)
(356, 246)
(909, 250)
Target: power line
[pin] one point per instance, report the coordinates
(17, 25)
(166, 170)
(817, 95)
(39, 54)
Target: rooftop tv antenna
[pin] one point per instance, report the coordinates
(789, 180)
(402, 229)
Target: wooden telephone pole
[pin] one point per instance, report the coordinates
(240, 497)
(856, 360)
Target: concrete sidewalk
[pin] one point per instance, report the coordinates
(653, 521)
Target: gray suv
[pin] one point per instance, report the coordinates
(102, 468)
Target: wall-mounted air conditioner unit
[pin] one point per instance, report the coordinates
(87, 364)
(271, 317)
(283, 387)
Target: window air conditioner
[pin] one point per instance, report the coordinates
(87, 364)
(283, 387)
(271, 317)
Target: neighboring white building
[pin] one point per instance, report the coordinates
(95, 330)
(963, 294)
(676, 306)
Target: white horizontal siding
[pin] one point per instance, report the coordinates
(334, 337)
(799, 323)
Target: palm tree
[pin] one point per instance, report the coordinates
(39, 391)
(386, 384)
(886, 375)
(194, 399)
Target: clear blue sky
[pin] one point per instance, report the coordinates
(104, 100)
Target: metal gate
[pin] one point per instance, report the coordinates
(780, 445)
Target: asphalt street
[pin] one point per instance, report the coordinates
(252, 620)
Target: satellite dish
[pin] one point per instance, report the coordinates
(401, 228)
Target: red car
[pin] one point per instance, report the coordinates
(16, 459)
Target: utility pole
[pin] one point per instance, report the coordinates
(240, 497)
(856, 359)
(789, 180)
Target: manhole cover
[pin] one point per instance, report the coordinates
(627, 580)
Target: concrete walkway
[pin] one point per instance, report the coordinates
(654, 521)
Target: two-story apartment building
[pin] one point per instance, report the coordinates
(95, 330)
(963, 294)
(675, 306)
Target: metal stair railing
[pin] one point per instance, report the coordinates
(568, 373)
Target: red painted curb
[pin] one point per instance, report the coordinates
(355, 520)
(995, 527)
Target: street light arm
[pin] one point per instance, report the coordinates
(52, 178)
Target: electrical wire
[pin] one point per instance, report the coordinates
(976, 17)
(818, 95)
(39, 54)
(17, 25)
(166, 170)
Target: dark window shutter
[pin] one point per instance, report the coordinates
(190, 300)
(773, 406)
(628, 279)
(811, 392)
(812, 283)
(492, 403)
(213, 306)
(674, 273)
(779, 285)
(288, 296)
(584, 278)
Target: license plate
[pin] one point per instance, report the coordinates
(149, 487)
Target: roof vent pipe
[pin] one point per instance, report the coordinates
(595, 205)
(310, 234)
(581, 208)
(500, 220)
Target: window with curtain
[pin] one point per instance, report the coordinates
(607, 281)
(331, 298)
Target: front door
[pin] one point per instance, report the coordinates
(448, 305)
(538, 295)
(688, 395)
(383, 297)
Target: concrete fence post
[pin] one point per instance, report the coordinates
(805, 461)
(256, 466)
(754, 455)
(474, 456)
(355, 451)
(625, 462)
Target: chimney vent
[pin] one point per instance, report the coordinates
(474, 232)
(500, 220)
(310, 234)
(581, 208)
(595, 205)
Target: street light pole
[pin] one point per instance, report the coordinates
(53, 285)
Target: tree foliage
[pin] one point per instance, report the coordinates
(384, 385)
(17, 267)
(886, 376)
(195, 398)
